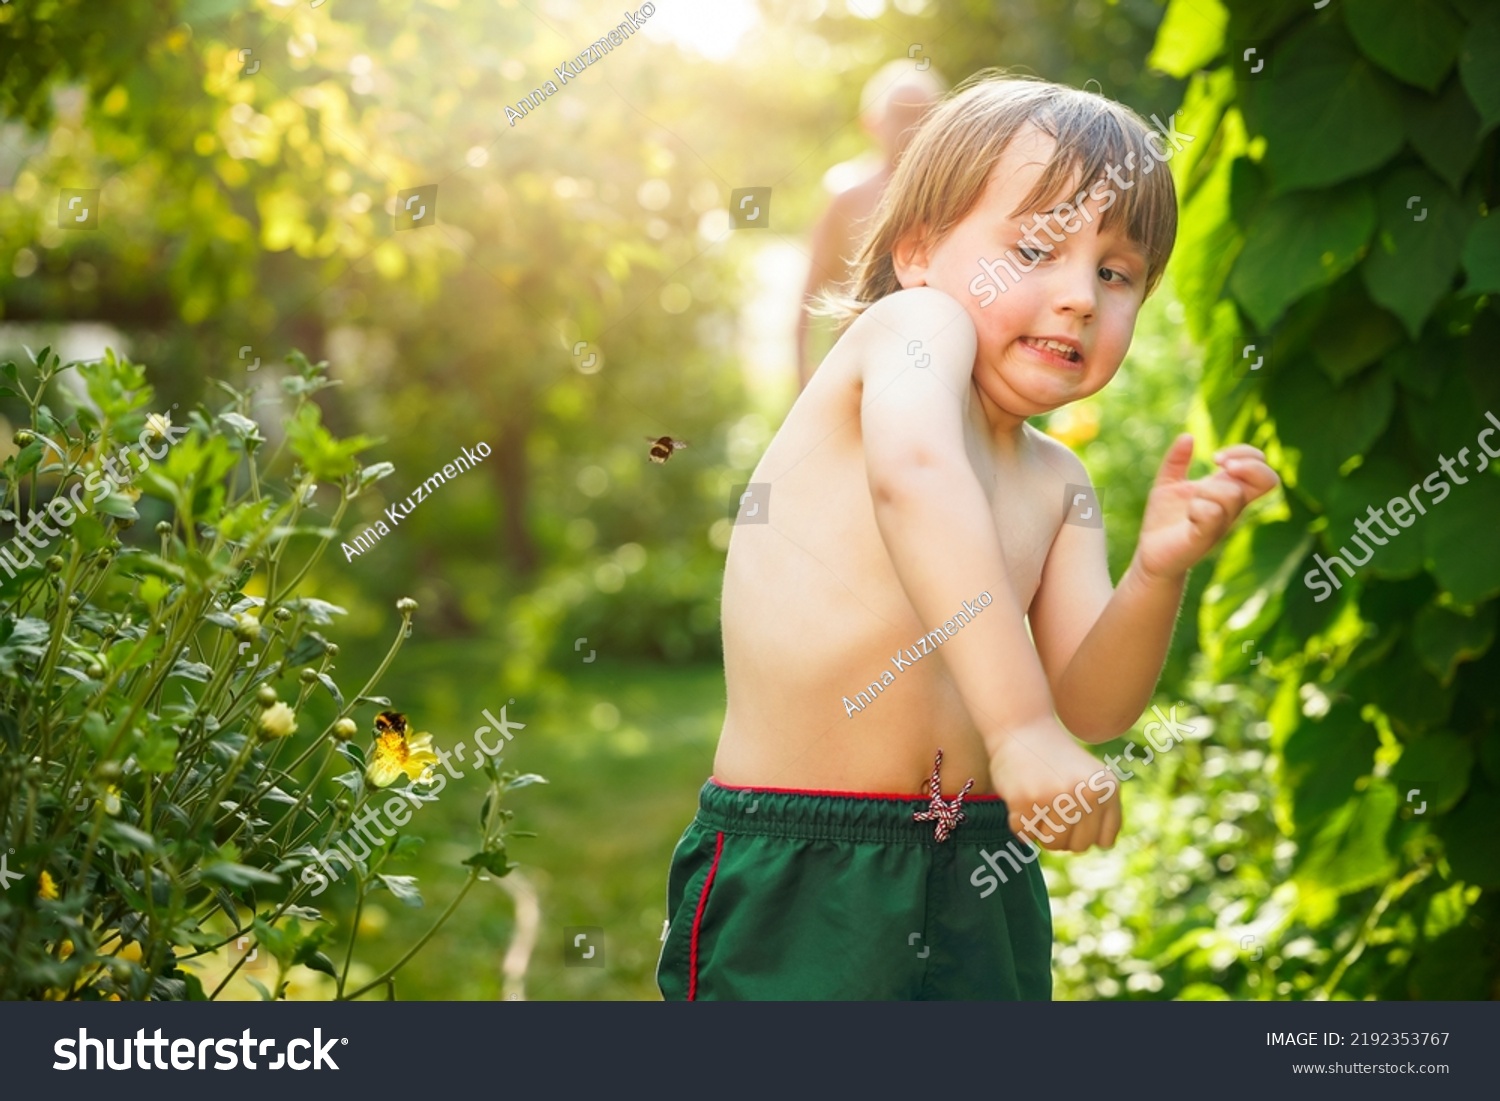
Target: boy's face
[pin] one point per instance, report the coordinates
(1084, 289)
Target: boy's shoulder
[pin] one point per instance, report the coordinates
(1058, 456)
(918, 306)
(920, 324)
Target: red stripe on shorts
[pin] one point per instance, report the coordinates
(708, 884)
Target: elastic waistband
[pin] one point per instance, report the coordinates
(844, 816)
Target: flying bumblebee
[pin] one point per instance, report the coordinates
(663, 446)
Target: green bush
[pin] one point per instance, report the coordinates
(152, 792)
(1370, 325)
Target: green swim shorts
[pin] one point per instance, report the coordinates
(779, 895)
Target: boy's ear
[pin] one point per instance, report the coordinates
(909, 258)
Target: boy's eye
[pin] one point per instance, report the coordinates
(1032, 254)
(1119, 276)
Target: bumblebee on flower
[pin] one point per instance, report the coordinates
(395, 752)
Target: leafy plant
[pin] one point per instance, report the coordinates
(1339, 218)
(151, 795)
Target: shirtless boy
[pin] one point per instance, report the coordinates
(913, 512)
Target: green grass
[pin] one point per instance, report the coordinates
(625, 750)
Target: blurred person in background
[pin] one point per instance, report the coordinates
(891, 105)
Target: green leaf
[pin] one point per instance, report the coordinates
(28, 458)
(1328, 114)
(238, 875)
(1445, 130)
(317, 961)
(1445, 638)
(118, 506)
(1350, 336)
(308, 648)
(325, 458)
(407, 845)
(130, 836)
(1461, 540)
(492, 861)
(1349, 853)
(1328, 425)
(1191, 35)
(403, 887)
(333, 689)
(1481, 257)
(1469, 832)
(157, 752)
(1244, 598)
(1440, 764)
(1417, 43)
(1399, 685)
(1415, 257)
(1363, 497)
(354, 780)
(1479, 65)
(372, 474)
(1321, 761)
(193, 670)
(1300, 243)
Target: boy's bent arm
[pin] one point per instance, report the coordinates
(1103, 649)
(931, 509)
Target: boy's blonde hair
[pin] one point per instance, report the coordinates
(945, 169)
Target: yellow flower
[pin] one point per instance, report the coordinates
(394, 754)
(278, 720)
(46, 887)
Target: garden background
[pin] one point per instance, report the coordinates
(583, 287)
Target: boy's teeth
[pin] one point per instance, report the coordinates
(1054, 346)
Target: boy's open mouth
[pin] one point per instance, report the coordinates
(1066, 349)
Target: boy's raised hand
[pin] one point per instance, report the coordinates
(1184, 519)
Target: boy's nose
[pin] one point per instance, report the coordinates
(1075, 292)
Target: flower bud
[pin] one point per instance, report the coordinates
(164, 528)
(333, 649)
(157, 425)
(308, 676)
(55, 564)
(266, 695)
(23, 437)
(95, 671)
(246, 627)
(406, 605)
(281, 615)
(278, 721)
(345, 729)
